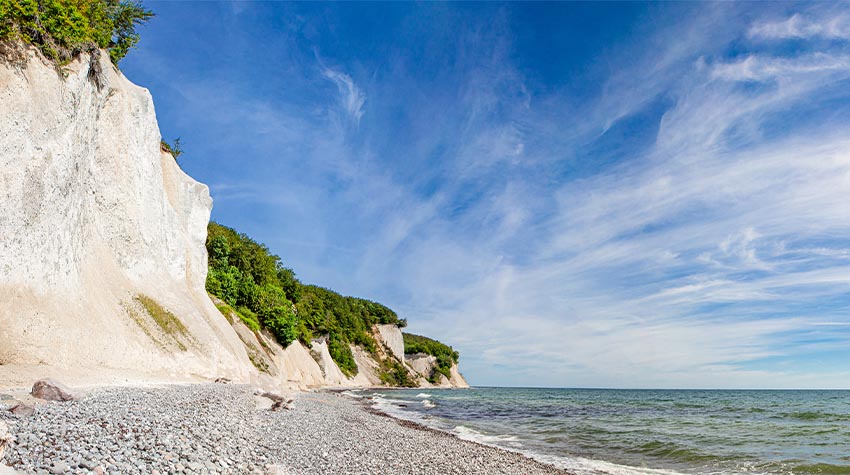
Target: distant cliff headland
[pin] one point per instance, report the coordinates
(353, 339)
(111, 270)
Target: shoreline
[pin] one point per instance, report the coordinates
(364, 403)
(222, 428)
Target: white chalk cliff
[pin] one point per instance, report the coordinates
(94, 215)
(95, 222)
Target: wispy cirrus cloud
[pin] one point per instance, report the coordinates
(351, 97)
(758, 68)
(799, 26)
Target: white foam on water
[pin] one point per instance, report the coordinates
(392, 407)
(423, 395)
(584, 466)
(428, 404)
(576, 465)
(465, 433)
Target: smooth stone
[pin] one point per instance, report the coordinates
(59, 467)
(52, 390)
(22, 410)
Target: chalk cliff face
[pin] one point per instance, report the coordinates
(423, 365)
(102, 255)
(392, 338)
(93, 217)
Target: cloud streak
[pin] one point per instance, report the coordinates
(798, 26)
(351, 97)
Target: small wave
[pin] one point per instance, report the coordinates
(428, 404)
(473, 435)
(423, 395)
(823, 468)
(688, 405)
(677, 452)
(581, 465)
(816, 416)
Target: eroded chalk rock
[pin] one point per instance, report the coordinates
(51, 390)
(271, 401)
(22, 410)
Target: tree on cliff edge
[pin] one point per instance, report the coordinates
(62, 29)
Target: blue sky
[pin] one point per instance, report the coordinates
(570, 194)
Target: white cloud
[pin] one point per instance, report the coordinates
(757, 68)
(798, 26)
(351, 96)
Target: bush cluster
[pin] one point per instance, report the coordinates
(265, 293)
(62, 29)
(251, 280)
(393, 373)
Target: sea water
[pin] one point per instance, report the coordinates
(597, 431)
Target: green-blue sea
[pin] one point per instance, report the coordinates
(596, 431)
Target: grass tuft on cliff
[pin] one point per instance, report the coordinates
(62, 29)
(166, 320)
(446, 356)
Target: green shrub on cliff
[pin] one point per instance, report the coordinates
(341, 353)
(62, 29)
(282, 323)
(247, 276)
(174, 148)
(393, 373)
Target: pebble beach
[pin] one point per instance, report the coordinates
(226, 429)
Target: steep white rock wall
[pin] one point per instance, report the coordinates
(332, 374)
(457, 380)
(391, 336)
(298, 366)
(368, 370)
(422, 363)
(92, 213)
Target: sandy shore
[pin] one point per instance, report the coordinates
(222, 428)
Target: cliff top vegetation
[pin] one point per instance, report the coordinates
(62, 29)
(265, 293)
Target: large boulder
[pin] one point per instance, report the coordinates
(51, 390)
